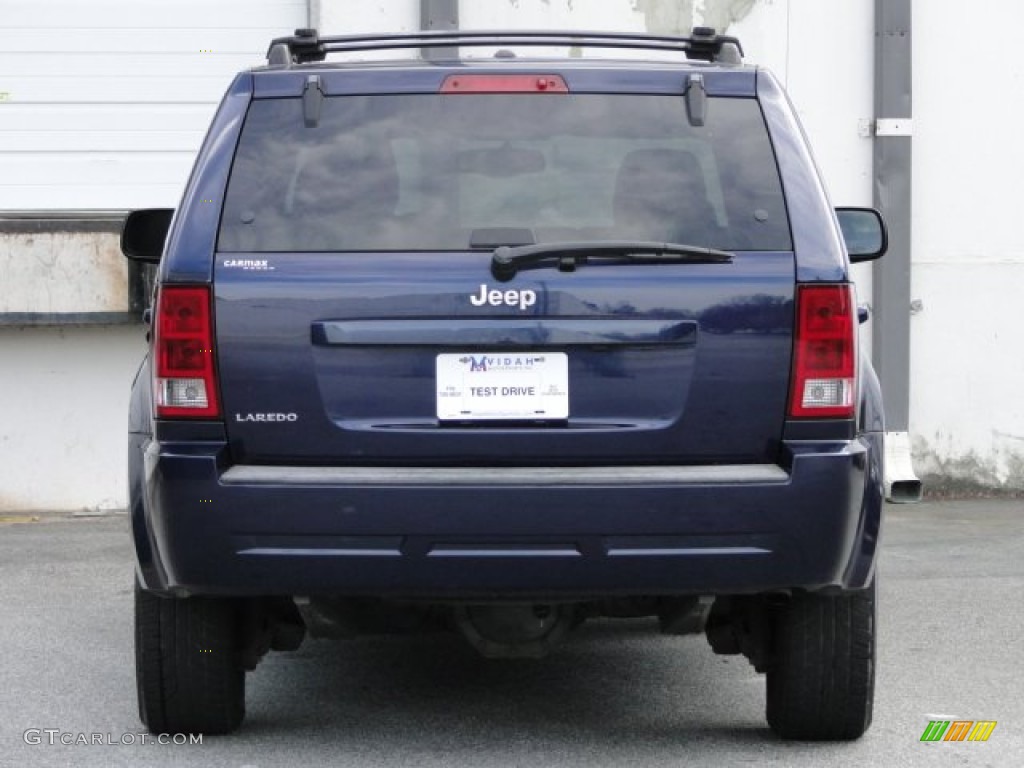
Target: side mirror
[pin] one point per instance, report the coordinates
(144, 233)
(864, 233)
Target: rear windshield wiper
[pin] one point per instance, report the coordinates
(509, 260)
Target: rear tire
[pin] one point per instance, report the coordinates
(821, 677)
(187, 664)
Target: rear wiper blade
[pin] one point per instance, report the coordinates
(508, 260)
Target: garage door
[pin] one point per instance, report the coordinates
(104, 103)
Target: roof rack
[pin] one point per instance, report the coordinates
(307, 46)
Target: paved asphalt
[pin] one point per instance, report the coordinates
(617, 694)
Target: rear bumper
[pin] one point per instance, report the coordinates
(202, 526)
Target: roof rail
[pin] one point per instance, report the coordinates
(307, 46)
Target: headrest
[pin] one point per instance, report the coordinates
(349, 175)
(660, 193)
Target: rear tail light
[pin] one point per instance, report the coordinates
(185, 380)
(825, 353)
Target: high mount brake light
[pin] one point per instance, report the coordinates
(825, 353)
(184, 378)
(504, 84)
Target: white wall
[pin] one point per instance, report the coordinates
(62, 272)
(967, 364)
(345, 17)
(64, 416)
(103, 103)
(551, 14)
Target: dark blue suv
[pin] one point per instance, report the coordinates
(499, 344)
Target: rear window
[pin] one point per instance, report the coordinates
(427, 172)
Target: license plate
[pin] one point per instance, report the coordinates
(503, 385)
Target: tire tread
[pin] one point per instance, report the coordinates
(188, 673)
(821, 678)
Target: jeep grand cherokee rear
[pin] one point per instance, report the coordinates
(502, 345)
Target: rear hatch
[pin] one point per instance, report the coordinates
(359, 318)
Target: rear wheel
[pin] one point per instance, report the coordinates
(821, 677)
(187, 664)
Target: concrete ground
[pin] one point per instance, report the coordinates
(617, 694)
